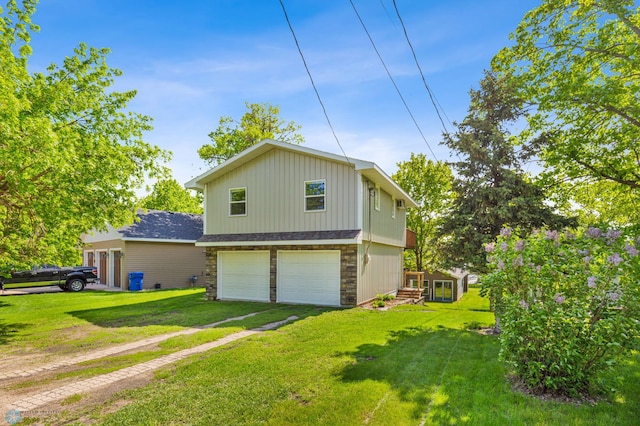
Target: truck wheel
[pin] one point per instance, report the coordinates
(75, 284)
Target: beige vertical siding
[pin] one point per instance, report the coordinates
(384, 228)
(170, 264)
(275, 195)
(382, 274)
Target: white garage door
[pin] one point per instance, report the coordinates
(309, 276)
(243, 275)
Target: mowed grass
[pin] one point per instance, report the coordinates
(408, 365)
(69, 323)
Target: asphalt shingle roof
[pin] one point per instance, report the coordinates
(163, 225)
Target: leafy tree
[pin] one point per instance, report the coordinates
(594, 202)
(261, 121)
(491, 188)
(577, 62)
(72, 156)
(169, 195)
(429, 184)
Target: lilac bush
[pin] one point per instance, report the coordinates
(568, 304)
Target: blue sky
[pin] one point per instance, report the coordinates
(195, 61)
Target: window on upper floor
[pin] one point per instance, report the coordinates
(314, 195)
(238, 202)
(377, 198)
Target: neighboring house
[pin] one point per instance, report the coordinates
(445, 286)
(290, 224)
(160, 244)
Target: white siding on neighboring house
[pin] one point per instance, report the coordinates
(275, 195)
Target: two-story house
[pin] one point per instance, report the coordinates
(290, 224)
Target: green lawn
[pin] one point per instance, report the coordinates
(406, 365)
(69, 323)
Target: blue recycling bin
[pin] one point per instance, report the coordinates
(135, 281)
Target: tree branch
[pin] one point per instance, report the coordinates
(635, 184)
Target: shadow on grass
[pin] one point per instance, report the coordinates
(430, 369)
(448, 376)
(185, 311)
(7, 330)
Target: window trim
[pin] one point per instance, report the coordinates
(231, 202)
(376, 198)
(324, 195)
(393, 207)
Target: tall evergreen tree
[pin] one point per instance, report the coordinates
(492, 190)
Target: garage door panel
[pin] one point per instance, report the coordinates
(309, 276)
(244, 275)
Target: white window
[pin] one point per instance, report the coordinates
(238, 202)
(393, 207)
(314, 195)
(377, 198)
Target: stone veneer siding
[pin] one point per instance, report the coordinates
(348, 268)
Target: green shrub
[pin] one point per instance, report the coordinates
(378, 303)
(567, 305)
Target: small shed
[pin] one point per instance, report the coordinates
(445, 286)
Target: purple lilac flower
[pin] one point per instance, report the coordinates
(552, 235)
(570, 235)
(613, 296)
(518, 261)
(500, 264)
(503, 246)
(489, 247)
(524, 304)
(583, 252)
(631, 250)
(591, 281)
(505, 232)
(586, 259)
(559, 299)
(594, 232)
(519, 245)
(612, 235)
(538, 268)
(615, 259)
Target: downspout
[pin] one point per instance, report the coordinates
(372, 193)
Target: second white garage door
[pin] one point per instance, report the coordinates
(309, 276)
(243, 275)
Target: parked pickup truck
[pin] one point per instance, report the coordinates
(72, 278)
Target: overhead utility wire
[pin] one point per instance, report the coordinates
(315, 89)
(415, 58)
(392, 80)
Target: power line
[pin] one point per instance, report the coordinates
(392, 80)
(315, 89)
(415, 58)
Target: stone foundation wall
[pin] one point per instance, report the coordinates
(348, 268)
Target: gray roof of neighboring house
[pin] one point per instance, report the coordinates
(163, 225)
(281, 236)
